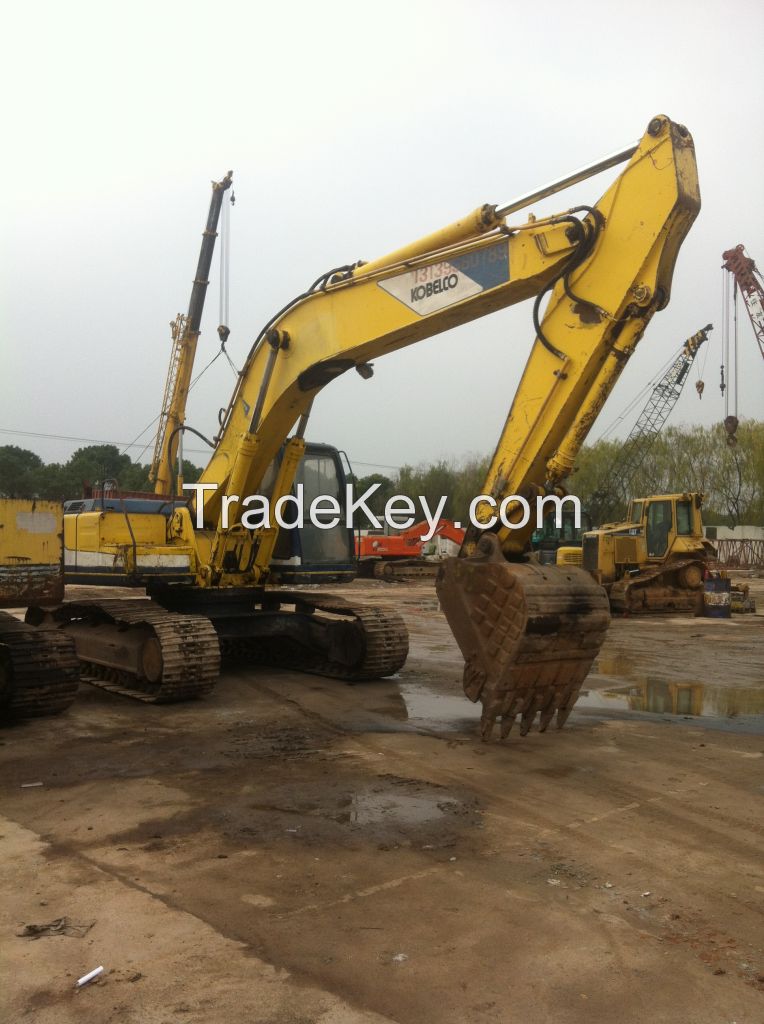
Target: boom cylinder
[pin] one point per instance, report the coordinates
(620, 156)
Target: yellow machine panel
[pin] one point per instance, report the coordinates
(120, 546)
(570, 556)
(629, 550)
(31, 565)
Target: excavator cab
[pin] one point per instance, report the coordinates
(309, 554)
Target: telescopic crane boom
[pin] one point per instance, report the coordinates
(185, 333)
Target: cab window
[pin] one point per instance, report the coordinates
(319, 476)
(658, 528)
(683, 518)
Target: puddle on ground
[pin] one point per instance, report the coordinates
(430, 709)
(375, 808)
(612, 688)
(653, 695)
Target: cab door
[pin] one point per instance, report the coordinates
(660, 522)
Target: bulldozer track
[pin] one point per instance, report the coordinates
(188, 647)
(39, 670)
(654, 590)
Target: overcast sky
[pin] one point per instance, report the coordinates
(351, 128)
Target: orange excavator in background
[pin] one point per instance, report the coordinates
(407, 555)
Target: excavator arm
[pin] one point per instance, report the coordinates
(528, 633)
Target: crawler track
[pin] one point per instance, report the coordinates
(356, 641)
(657, 590)
(386, 640)
(139, 650)
(142, 650)
(39, 671)
(408, 570)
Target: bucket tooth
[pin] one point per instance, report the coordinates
(528, 632)
(507, 721)
(526, 720)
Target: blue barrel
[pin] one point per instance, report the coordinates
(716, 599)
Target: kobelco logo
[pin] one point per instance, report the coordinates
(434, 286)
(440, 284)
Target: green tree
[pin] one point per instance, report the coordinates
(681, 458)
(431, 482)
(18, 471)
(95, 464)
(469, 483)
(191, 473)
(378, 500)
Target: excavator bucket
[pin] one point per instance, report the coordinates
(528, 632)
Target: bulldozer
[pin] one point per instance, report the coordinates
(654, 561)
(528, 632)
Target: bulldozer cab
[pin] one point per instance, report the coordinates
(634, 513)
(668, 522)
(658, 527)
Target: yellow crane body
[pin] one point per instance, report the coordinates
(185, 329)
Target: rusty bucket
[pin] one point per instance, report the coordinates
(528, 632)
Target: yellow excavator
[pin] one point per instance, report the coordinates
(528, 632)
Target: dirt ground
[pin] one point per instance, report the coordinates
(296, 851)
